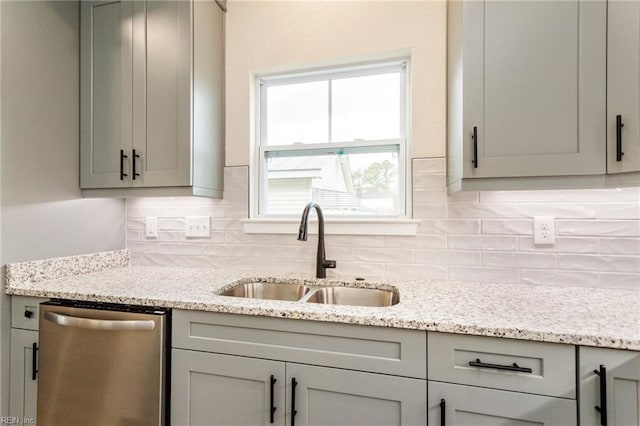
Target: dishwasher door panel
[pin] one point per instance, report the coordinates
(101, 367)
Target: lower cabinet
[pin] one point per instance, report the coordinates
(331, 396)
(241, 370)
(609, 387)
(214, 389)
(23, 377)
(459, 405)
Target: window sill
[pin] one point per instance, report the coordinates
(408, 227)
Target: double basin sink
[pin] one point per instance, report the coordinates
(352, 296)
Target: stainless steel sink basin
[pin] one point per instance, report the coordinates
(272, 291)
(354, 296)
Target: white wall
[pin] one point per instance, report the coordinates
(264, 36)
(43, 214)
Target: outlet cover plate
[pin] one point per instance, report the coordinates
(151, 227)
(544, 230)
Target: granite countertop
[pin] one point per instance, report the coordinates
(582, 316)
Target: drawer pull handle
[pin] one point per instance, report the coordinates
(474, 137)
(619, 126)
(512, 367)
(34, 361)
(443, 412)
(294, 384)
(602, 408)
(273, 406)
(28, 314)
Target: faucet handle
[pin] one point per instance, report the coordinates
(331, 264)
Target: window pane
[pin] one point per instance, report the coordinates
(366, 107)
(298, 113)
(364, 184)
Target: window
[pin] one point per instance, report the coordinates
(337, 137)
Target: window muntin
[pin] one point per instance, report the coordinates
(337, 137)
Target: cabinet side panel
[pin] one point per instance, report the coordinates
(454, 92)
(208, 95)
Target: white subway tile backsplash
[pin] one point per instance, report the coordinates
(507, 227)
(448, 257)
(357, 269)
(425, 196)
(225, 250)
(482, 211)
(383, 255)
(422, 211)
(618, 211)
(599, 228)
(619, 245)
(429, 165)
(604, 263)
(482, 242)
(470, 236)
(464, 197)
(610, 280)
(559, 211)
(471, 273)
(562, 245)
(415, 272)
(559, 278)
(519, 260)
(429, 181)
(419, 241)
(180, 249)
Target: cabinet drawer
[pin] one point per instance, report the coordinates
(355, 347)
(25, 311)
(489, 362)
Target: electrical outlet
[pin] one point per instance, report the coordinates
(151, 227)
(544, 230)
(197, 226)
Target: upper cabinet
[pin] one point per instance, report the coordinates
(527, 92)
(152, 98)
(623, 87)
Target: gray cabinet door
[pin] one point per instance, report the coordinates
(23, 389)
(331, 396)
(623, 84)
(106, 97)
(534, 87)
(474, 406)
(622, 386)
(211, 389)
(162, 67)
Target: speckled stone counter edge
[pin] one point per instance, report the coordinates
(61, 267)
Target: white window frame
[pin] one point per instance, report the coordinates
(259, 172)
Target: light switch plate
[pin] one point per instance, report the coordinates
(151, 227)
(197, 226)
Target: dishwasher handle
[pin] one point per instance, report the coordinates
(99, 324)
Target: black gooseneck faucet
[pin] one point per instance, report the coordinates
(321, 263)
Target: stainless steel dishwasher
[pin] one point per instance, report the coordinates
(102, 364)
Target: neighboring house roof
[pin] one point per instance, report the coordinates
(326, 172)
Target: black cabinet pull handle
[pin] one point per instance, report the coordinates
(28, 314)
(443, 412)
(273, 409)
(294, 383)
(602, 409)
(512, 367)
(619, 126)
(474, 136)
(122, 157)
(34, 361)
(134, 164)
